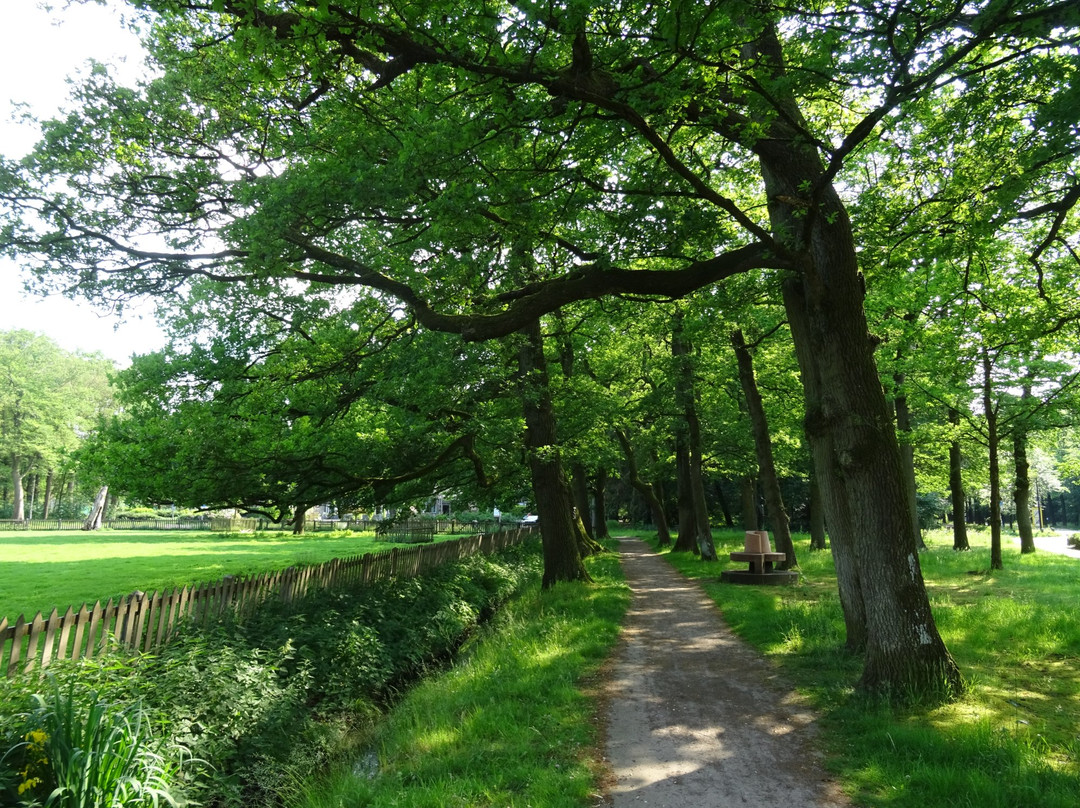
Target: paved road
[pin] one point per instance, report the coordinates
(696, 718)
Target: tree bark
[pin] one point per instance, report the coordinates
(558, 533)
(684, 496)
(721, 501)
(956, 486)
(48, 494)
(31, 500)
(907, 455)
(748, 502)
(600, 528)
(97, 511)
(646, 489)
(580, 489)
(1022, 493)
(299, 520)
(827, 472)
(992, 443)
(759, 425)
(18, 511)
(817, 515)
(685, 395)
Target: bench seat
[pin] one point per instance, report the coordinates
(759, 562)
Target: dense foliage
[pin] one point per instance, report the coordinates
(50, 401)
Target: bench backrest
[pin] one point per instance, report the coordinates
(757, 541)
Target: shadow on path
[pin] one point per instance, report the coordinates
(696, 718)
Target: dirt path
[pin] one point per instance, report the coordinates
(696, 718)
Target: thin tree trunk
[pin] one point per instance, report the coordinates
(579, 482)
(558, 533)
(687, 524)
(748, 502)
(1022, 493)
(32, 495)
(907, 455)
(646, 489)
(686, 397)
(956, 486)
(817, 515)
(97, 511)
(721, 501)
(991, 414)
(48, 493)
(759, 424)
(600, 528)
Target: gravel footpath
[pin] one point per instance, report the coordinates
(695, 717)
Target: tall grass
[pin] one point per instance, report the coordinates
(512, 724)
(80, 752)
(1012, 740)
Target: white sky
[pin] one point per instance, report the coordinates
(38, 50)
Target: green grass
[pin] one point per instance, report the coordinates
(43, 569)
(1012, 740)
(512, 724)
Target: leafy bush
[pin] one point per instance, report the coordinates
(265, 702)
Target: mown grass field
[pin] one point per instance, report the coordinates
(43, 569)
(1012, 740)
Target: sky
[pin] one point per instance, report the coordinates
(39, 49)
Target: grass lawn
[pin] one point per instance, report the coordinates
(1012, 740)
(43, 569)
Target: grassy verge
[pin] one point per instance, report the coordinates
(1012, 740)
(43, 569)
(509, 725)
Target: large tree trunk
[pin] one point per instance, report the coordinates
(646, 489)
(956, 486)
(97, 510)
(817, 515)
(759, 425)
(686, 396)
(847, 417)
(829, 476)
(558, 533)
(992, 442)
(17, 506)
(1022, 493)
(907, 455)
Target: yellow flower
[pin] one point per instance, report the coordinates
(29, 784)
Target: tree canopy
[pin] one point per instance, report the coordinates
(486, 164)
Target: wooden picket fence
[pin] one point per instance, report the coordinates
(111, 524)
(143, 622)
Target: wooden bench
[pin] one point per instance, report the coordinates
(758, 552)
